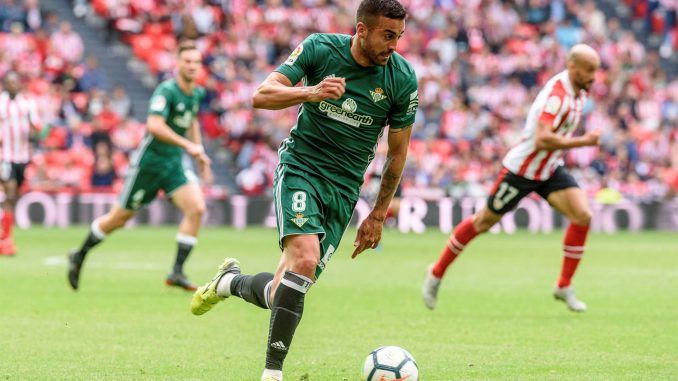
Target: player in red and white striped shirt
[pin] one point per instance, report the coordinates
(536, 165)
(18, 116)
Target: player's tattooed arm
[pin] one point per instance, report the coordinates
(277, 92)
(398, 141)
(369, 233)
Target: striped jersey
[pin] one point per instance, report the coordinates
(16, 117)
(558, 106)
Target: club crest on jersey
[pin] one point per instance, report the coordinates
(299, 220)
(295, 54)
(181, 107)
(377, 94)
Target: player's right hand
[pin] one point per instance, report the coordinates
(593, 137)
(328, 88)
(206, 175)
(204, 160)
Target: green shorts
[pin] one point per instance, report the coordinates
(306, 204)
(143, 181)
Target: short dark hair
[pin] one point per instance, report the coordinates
(186, 45)
(368, 10)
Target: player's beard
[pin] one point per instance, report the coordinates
(371, 55)
(586, 86)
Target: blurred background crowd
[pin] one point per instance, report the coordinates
(480, 63)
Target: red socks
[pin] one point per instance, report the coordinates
(7, 223)
(573, 249)
(462, 235)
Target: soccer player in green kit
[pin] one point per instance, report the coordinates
(353, 87)
(157, 165)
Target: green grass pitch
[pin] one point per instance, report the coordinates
(496, 319)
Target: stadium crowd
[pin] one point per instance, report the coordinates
(479, 64)
(89, 130)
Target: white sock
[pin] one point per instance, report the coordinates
(96, 230)
(224, 285)
(277, 374)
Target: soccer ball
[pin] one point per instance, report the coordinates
(390, 364)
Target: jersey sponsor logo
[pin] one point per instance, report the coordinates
(181, 107)
(349, 105)
(377, 94)
(295, 54)
(342, 115)
(299, 220)
(158, 103)
(552, 105)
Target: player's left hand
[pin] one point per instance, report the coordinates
(369, 235)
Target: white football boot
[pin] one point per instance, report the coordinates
(566, 294)
(429, 292)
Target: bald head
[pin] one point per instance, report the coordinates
(582, 53)
(582, 63)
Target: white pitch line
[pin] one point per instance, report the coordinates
(60, 261)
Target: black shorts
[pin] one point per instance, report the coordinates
(12, 171)
(511, 188)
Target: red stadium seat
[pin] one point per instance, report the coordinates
(142, 46)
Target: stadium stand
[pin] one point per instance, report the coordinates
(479, 64)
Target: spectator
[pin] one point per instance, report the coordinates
(120, 102)
(70, 43)
(33, 14)
(93, 76)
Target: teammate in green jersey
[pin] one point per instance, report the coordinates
(353, 87)
(157, 165)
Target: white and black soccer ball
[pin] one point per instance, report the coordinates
(390, 364)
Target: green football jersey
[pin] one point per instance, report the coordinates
(179, 110)
(336, 139)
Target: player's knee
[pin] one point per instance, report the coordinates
(305, 265)
(582, 217)
(196, 211)
(304, 255)
(482, 222)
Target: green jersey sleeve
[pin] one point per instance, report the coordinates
(301, 62)
(403, 112)
(160, 102)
